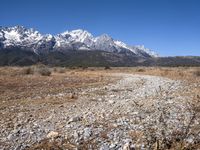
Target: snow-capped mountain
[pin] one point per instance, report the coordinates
(19, 36)
(31, 39)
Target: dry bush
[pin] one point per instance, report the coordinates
(197, 73)
(44, 71)
(41, 69)
(140, 70)
(62, 70)
(166, 72)
(181, 74)
(28, 70)
(55, 69)
(107, 68)
(59, 70)
(84, 67)
(73, 67)
(37, 69)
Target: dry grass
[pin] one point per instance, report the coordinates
(13, 81)
(25, 87)
(182, 73)
(37, 69)
(22, 83)
(59, 69)
(34, 90)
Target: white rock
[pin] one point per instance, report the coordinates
(127, 146)
(74, 119)
(10, 137)
(100, 99)
(75, 135)
(87, 133)
(104, 147)
(52, 134)
(135, 113)
(112, 96)
(111, 101)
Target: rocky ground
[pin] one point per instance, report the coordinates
(132, 112)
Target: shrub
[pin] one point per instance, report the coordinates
(44, 71)
(140, 70)
(55, 69)
(72, 67)
(197, 73)
(62, 70)
(37, 69)
(28, 70)
(84, 67)
(107, 68)
(59, 70)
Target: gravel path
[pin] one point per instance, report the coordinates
(132, 113)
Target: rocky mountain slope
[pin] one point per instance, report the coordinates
(30, 39)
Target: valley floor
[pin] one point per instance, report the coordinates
(122, 108)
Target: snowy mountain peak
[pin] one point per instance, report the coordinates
(69, 40)
(19, 33)
(75, 36)
(121, 44)
(104, 37)
(77, 33)
(142, 48)
(80, 35)
(80, 32)
(49, 36)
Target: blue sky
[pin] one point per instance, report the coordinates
(170, 27)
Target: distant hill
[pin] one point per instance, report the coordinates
(174, 61)
(87, 58)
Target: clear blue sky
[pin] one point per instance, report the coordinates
(170, 27)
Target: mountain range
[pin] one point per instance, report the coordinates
(19, 36)
(26, 46)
